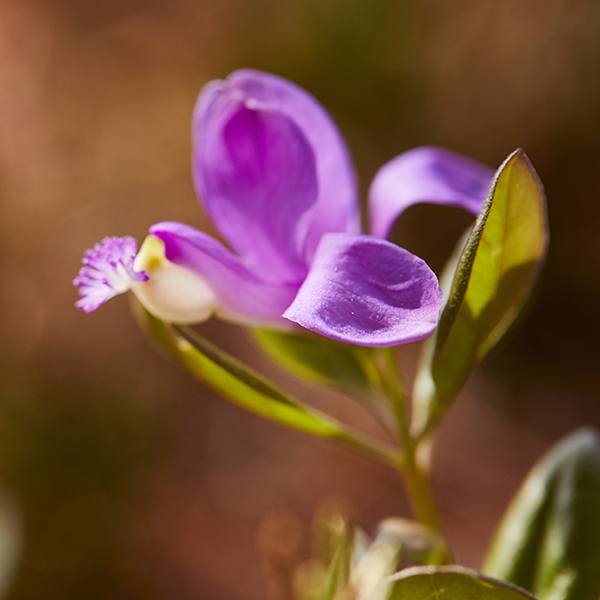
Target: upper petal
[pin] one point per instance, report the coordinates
(240, 294)
(337, 207)
(256, 174)
(250, 98)
(367, 292)
(427, 174)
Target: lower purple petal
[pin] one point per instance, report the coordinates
(368, 292)
(430, 175)
(242, 295)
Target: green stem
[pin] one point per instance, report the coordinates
(371, 448)
(420, 492)
(393, 388)
(415, 476)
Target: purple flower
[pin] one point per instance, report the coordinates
(276, 178)
(107, 272)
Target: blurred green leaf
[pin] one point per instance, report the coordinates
(549, 540)
(397, 542)
(244, 387)
(451, 583)
(349, 565)
(417, 543)
(326, 575)
(491, 281)
(370, 578)
(338, 557)
(10, 542)
(315, 358)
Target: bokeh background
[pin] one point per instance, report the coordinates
(122, 478)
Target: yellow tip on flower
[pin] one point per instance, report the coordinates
(172, 293)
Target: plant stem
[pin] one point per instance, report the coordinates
(370, 448)
(420, 492)
(415, 476)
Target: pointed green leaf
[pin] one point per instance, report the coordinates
(451, 583)
(244, 387)
(549, 540)
(492, 280)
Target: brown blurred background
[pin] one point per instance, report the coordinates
(130, 480)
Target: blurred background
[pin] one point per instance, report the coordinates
(120, 477)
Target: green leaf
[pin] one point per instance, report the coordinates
(348, 369)
(315, 358)
(326, 575)
(370, 577)
(397, 542)
(451, 583)
(244, 387)
(492, 279)
(351, 566)
(337, 557)
(417, 543)
(549, 540)
(11, 539)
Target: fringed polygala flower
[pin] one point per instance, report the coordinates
(107, 272)
(276, 178)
